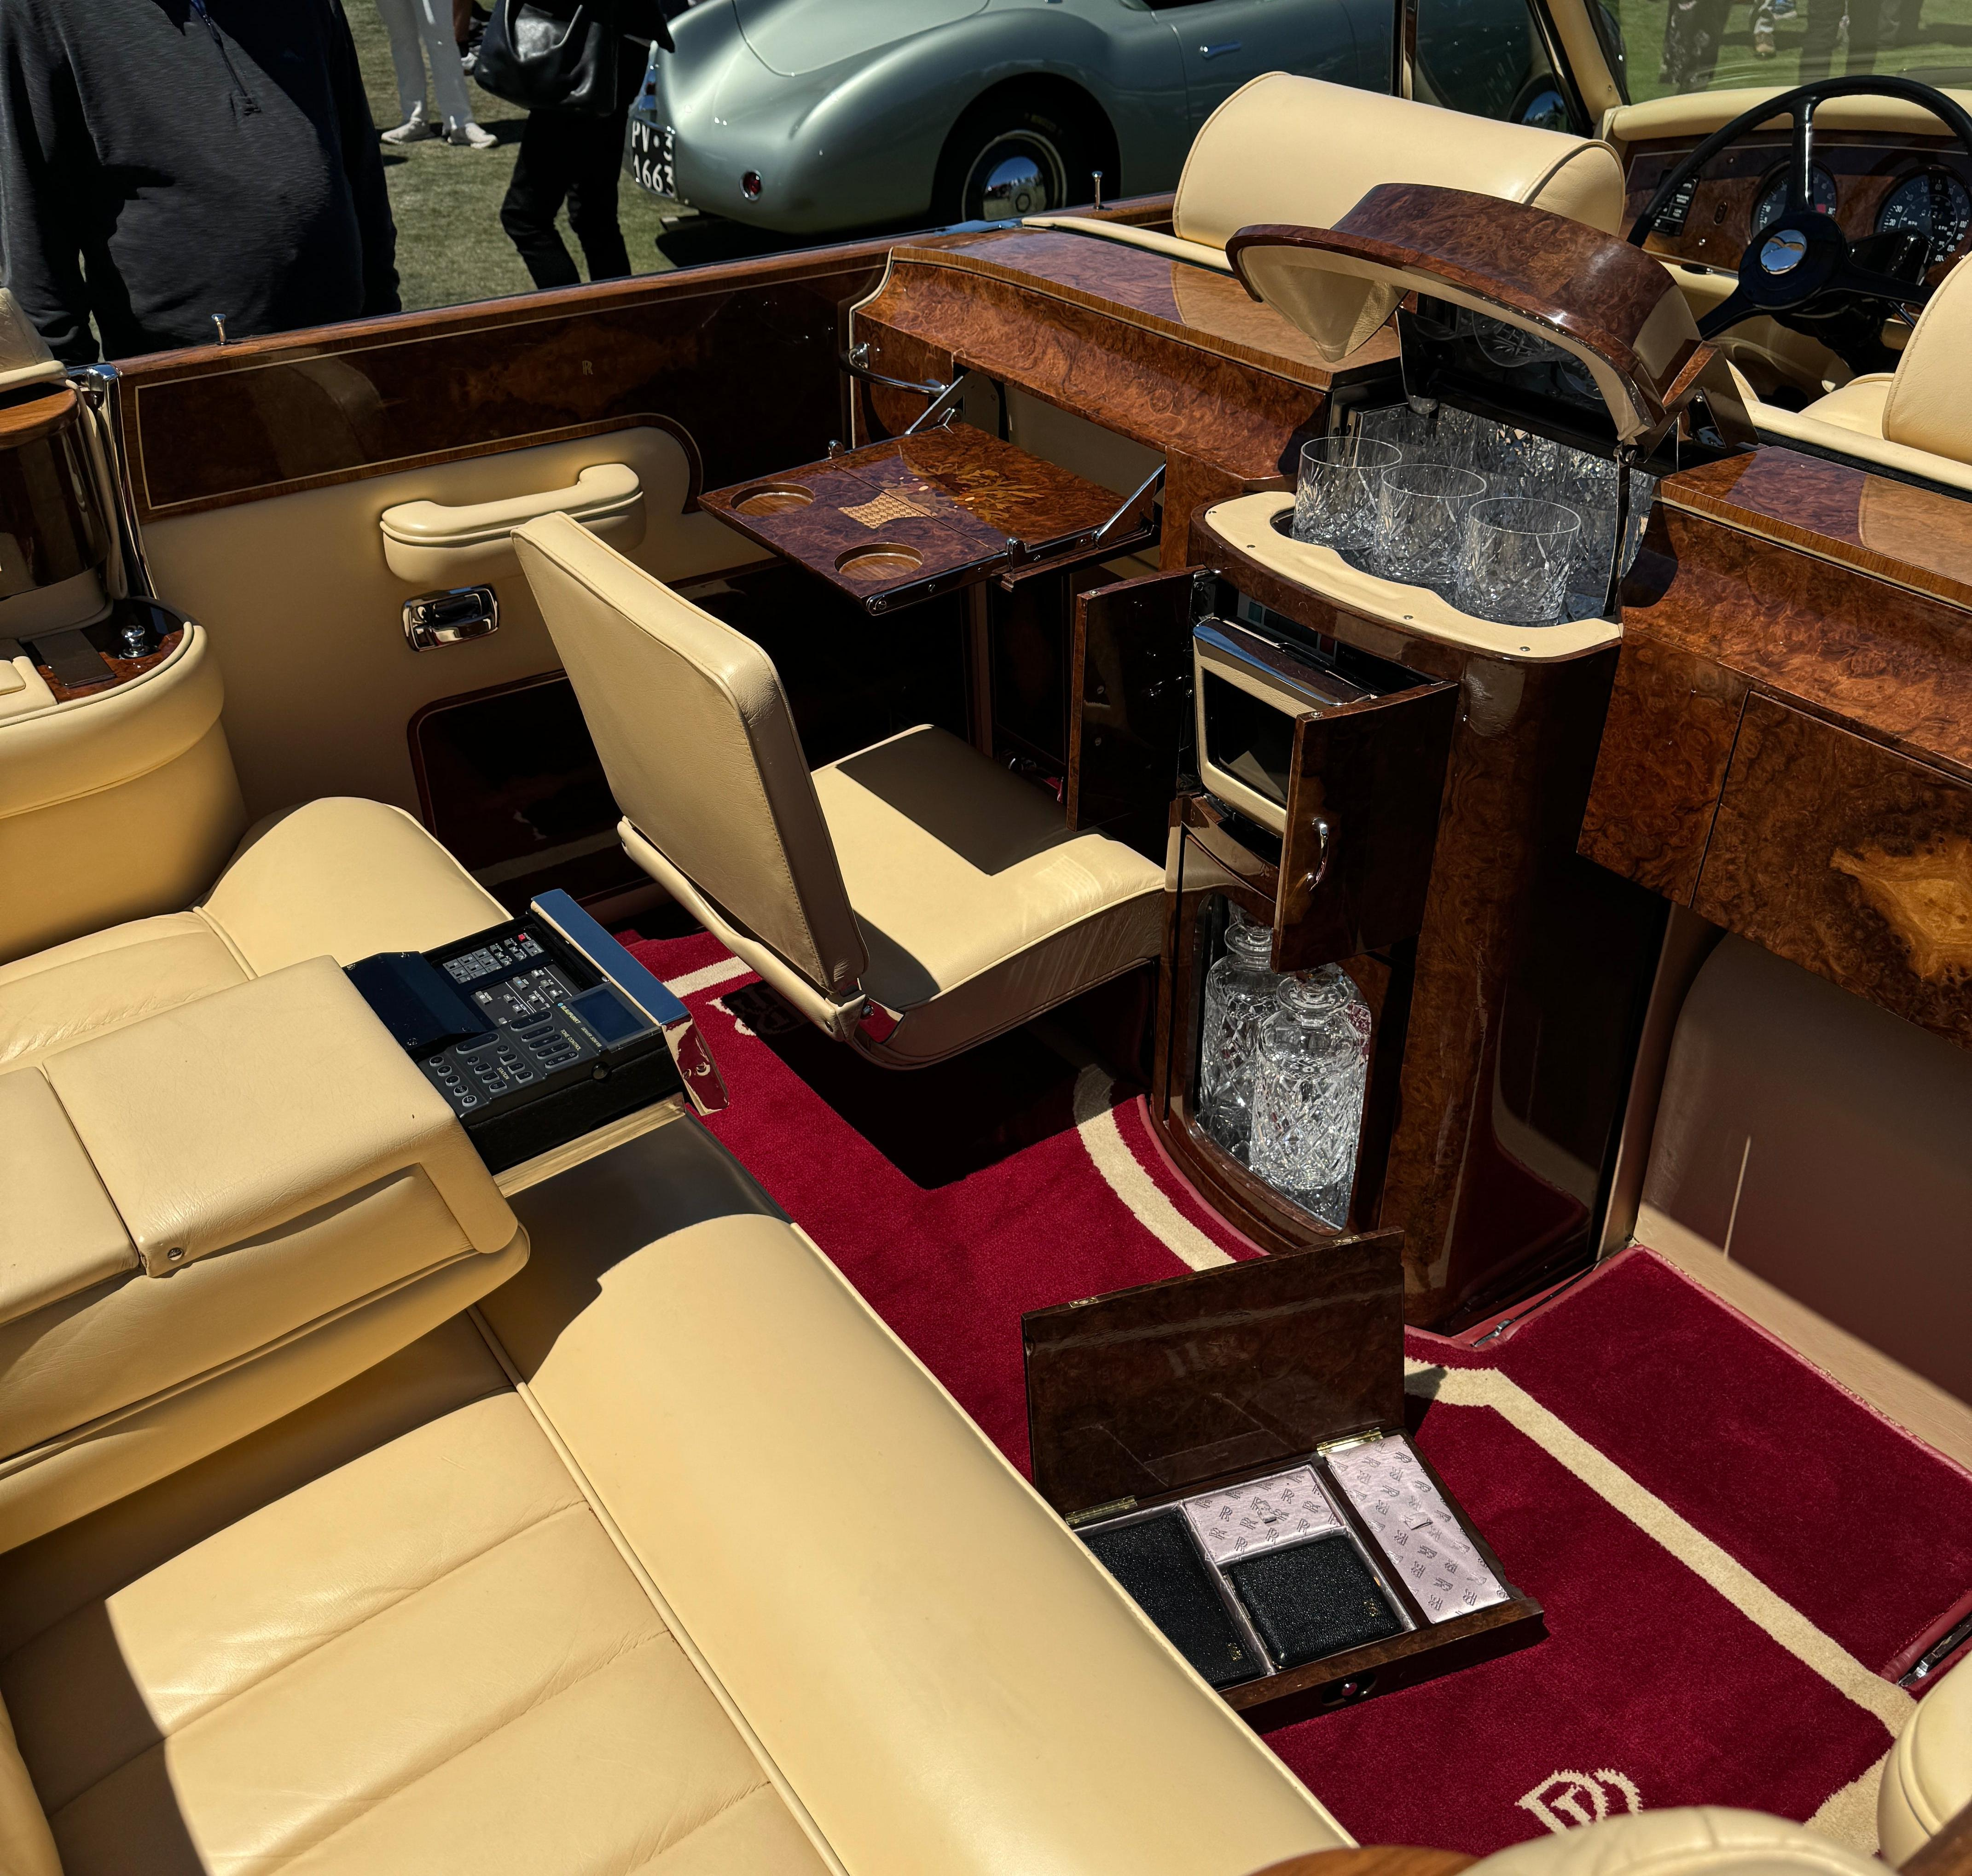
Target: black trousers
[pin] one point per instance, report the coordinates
(565, 156)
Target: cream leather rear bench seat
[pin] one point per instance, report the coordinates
(1303, 152)
(685, 1565)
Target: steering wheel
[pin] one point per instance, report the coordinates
(1802, 267)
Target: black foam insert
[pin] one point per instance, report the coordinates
(1309, 1600)
(1156, 1561)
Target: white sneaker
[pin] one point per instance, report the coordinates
(414, 130)
(472, 136)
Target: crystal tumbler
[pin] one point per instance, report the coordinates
(1421, 520)
(1335, 503)
(1516, 560)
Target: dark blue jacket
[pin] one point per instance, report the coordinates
(161, 161)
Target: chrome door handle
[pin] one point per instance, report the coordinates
(1224, 45)
(454, 616)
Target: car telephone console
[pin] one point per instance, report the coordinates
(539, 1031)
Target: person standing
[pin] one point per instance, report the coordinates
(416, 34)
(576, 157)
(162, 166)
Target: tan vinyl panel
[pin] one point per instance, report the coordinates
(1768, 1066)
(1304, 151)
(1927, 1777)
(945, 1677)
(226, 1118)
(59, 1233)
(347, 879)
(114, 806)
(700, 747)
(979, 906)
(307, 617)
(432, 1660)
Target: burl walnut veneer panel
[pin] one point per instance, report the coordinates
(1666, 742)
(1891, 663)
(1174, 387)
(1591, 287)
(1916, 537)
(901, 519)
(1833, 852)
(738, 361)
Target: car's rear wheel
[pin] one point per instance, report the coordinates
(1008, 157)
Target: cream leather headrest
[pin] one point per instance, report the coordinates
(24, 357)
(1929, 405)
(1303, 152)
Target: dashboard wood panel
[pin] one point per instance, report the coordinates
(1865, 168)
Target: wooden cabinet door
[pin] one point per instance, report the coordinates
(1130, 728)
(1362, 823)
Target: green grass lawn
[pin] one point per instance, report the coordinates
(1939, 51)
(446, 200)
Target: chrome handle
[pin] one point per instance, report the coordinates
(455, 616)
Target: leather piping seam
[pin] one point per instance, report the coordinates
(28, 1457)
(666, 1614)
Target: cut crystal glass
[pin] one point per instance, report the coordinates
(1308, 1092)
(1241, 991)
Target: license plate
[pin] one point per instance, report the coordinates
(649, 158)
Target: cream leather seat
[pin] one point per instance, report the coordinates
(209, 1080)
(1917, 419)
(671, 1560)
(1303, 152)
(340, 878)
(913, 899)
(1927, 1777)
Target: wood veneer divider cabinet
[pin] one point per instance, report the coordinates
(1789, 744)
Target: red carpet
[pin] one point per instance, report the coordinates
(1730, 1549)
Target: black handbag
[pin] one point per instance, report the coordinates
(553, 55)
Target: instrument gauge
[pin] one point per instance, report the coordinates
(1935, 204)
(1773, 199)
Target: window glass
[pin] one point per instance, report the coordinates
(1486, 56)
(1714, 45)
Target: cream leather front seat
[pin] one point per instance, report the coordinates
(1917, 419)
(1303, 152)
(1927, 1777)
(914, 899)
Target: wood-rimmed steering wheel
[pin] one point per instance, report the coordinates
(1803, 264)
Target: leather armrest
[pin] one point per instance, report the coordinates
(59, 1233)
(229, 1117)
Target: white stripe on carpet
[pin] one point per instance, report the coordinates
(1849, 1815)
(1095, 1121)
(693, 981)
(1724, 1572)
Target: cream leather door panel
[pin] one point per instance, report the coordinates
(433, 545)
(305, 614)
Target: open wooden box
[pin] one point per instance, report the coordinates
(1147, 1409)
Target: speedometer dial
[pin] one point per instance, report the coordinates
(1935, 204)
(1773, 199)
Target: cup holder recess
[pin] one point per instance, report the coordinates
(771, 498)
(881, 560)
